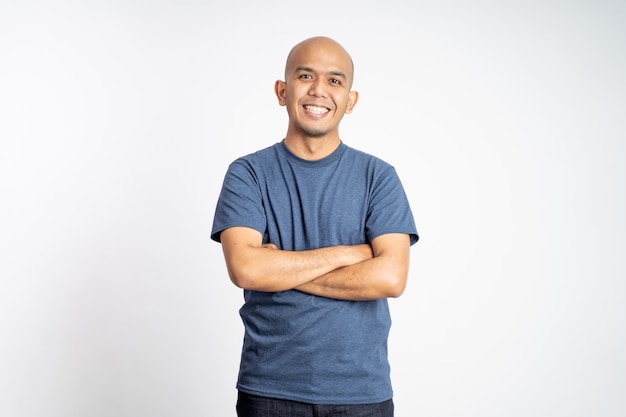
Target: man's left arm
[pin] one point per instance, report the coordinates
(383, 276)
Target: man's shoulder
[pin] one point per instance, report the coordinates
(366, 157)
(258, 156)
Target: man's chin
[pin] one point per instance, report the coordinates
(316, 133)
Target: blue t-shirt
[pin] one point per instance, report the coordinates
(298, 346)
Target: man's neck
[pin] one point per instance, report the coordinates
(311, 148)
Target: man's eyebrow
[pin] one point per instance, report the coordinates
(335, 73)
(339, 74)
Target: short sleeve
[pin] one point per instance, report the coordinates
(240, 202)
(389, 209)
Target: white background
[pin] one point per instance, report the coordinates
(504, 119)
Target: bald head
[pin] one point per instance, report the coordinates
(316, 47)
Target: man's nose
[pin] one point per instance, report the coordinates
(318, 88)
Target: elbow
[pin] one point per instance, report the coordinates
(395, 292)
(241, 278)
(251, 279)
(396, 286)
(239, 281)
(246, 283)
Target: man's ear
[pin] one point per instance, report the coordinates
(353, 97)
(280, 88)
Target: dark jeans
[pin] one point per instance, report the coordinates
(249, 405)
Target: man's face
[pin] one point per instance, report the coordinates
(316, 90)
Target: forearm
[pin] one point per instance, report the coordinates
(383, 276)
(368, 280)
(279, 270)
(258, 267)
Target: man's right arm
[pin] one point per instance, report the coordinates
(255, 266)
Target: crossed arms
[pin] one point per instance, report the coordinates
(356, 272)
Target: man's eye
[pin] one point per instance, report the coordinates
(335, 81)
(306, 76)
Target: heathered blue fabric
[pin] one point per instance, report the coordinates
(298, 346)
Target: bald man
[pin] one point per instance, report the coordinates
(317, 234)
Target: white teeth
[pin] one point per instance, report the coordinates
(315, 109)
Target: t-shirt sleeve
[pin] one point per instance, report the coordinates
(389, 210)
(240, 202)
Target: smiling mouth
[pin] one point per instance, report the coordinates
(317, 110)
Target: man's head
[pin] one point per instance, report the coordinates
(329, 45)
(317, 87)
